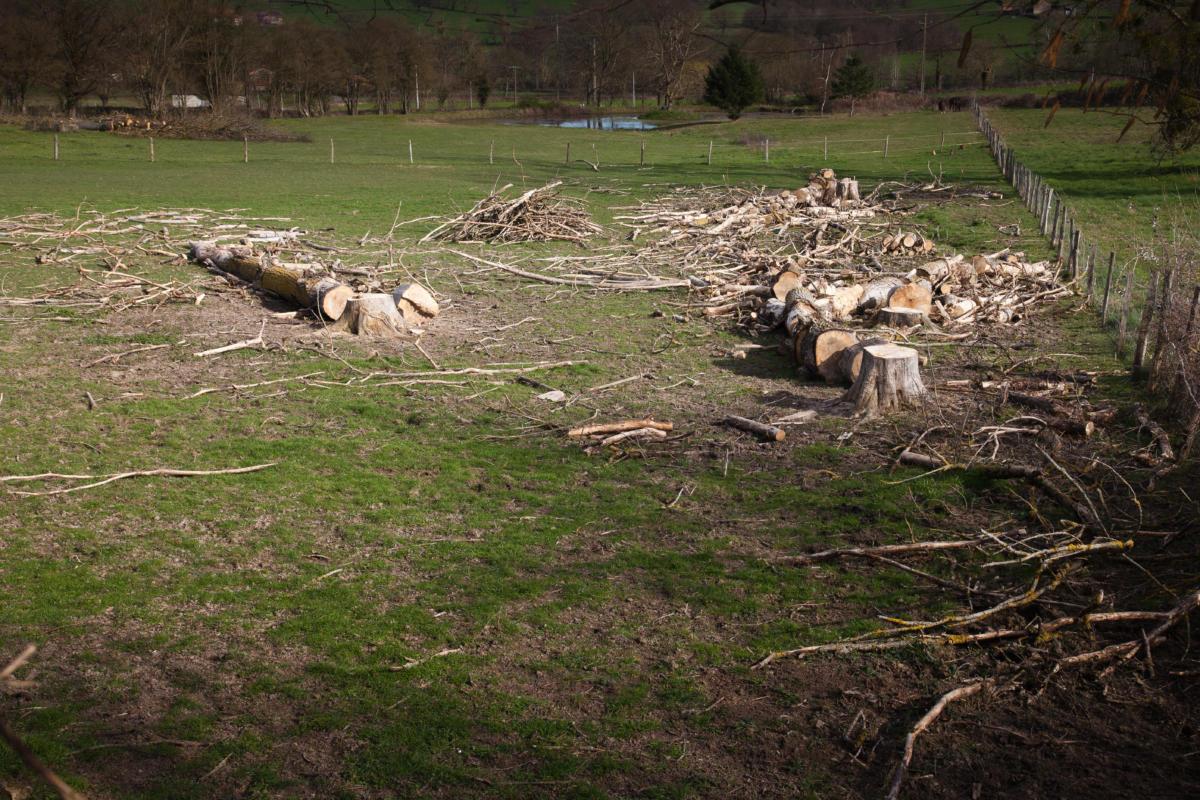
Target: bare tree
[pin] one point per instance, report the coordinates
(25, 54)
(80, 29)
(156, 35)
(672, 26)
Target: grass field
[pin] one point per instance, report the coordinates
(281, 634)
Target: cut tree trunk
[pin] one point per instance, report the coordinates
(307, 287)
(784, 283)
(766, 433)
(237, 260)
(374, 315)
(820, 348)
(890, 378)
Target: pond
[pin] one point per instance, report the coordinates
(597, 123)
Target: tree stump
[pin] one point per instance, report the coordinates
(849, 361)
(899, 317)
(890, 378)
(415, 303)
(374, 315)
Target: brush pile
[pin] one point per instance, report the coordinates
(538, 215)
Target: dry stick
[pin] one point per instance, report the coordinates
(235, 387)
(881, 550)
(119, 356)
(923, 723)
(662, 283)
(1130, 648)
(34, 763)
(153, 473)
(766, 433)
(255, 342)
(1112, 258)
(619, 427)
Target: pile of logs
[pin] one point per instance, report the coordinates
(313, 287)
(539, 215)
(912, 242)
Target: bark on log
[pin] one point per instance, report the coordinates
(890, 378)
(766, 433)
(374, 315)
(619, 427)
(876, 293)
(820, 349)
(238, 260)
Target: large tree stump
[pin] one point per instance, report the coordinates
(890, 378)
(374, 315)
(819, 350)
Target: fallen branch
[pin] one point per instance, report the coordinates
(152, 473)
(619, 427)
(923, 723)
(257, 341)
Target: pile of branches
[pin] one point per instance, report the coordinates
(1095, 578)
(538, 215)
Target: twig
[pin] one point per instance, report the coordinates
(164, 473)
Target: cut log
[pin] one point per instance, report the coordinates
(374, 315)
(957, 307)
(899, 317)
(909, 241)
(237, 260)
(286, 281)
(890, 378)
(912, 295)
(876, 293)
(802, 311)
(820, 348)
(847, 190)
(850, 360)
(784, 282)
(845, 300)
(328, 297)
(415, 303)
(766, 433)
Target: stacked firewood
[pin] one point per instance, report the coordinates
(538, 215)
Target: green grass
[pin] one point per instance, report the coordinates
(266, 617)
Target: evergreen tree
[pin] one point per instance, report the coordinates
(853, 79)
(733, 83)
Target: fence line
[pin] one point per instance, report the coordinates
(1153, 344)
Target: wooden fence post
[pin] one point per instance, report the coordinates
(1187, 333)
(942, 142)
(710, 152)
(826, 151)
(1091, 271)
(1123, 325)
(245, 149)
(1054, 222)
(568, 161)
(1075, 234)
(151, 149)
(642, 158)
(56, 147)
(887, 140)
(492, 152)
(410, 152)
(1112, 258)
(767, 150)
(1143, 329)
(1157, 358)
(331, 151)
